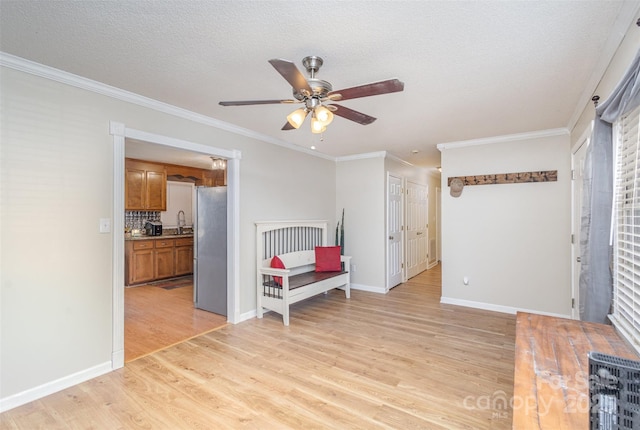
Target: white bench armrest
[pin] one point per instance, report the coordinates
(274, 272)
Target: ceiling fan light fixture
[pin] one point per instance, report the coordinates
(296, 118)
(317, 126)
(324, 115)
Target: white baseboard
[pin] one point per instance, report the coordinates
(496, 308)
(41, 391)
(361, 287)
(248, 315)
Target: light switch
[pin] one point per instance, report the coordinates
(105, 225)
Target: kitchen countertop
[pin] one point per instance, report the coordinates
(164, 236)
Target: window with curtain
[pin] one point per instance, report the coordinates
(626, 239)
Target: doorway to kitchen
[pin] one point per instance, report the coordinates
(175, 293)
(160, 247)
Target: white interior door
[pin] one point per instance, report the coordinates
(577, 167)
(394, 231)
(417, 229)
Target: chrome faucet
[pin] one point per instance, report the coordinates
(181, 221)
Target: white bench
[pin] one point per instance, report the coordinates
(294, 243)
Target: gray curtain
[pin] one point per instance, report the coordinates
(596, 284)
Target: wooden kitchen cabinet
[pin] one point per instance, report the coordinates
(140, 259)
(184, 256)
(152, 259)
(145, 186)
(164, 259)
(134, 188)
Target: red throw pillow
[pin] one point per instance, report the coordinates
(328, 259)
(276, 263)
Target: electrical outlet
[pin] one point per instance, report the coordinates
(353, 268)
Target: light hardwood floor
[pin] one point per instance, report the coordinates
(395, 361)
(156, 318)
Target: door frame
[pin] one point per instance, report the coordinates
(119, 134)
(585, 139)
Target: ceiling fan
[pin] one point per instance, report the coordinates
(314, 92)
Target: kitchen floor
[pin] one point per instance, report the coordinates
(162, 314)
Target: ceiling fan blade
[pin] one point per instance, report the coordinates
(256, 102)
(290, 72)
(373, 89)
(287, 126)
(352, 115)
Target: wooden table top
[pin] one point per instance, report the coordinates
(551, 379)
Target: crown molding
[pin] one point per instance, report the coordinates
(400, 160)
(36, 69)
(505, 138)
(378, 154)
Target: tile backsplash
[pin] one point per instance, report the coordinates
(136, 219)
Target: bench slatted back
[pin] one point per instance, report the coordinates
(285, 237)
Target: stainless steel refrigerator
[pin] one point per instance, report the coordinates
(210, 250)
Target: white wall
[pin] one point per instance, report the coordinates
(511, 240)
(360, 191)
(56, 161)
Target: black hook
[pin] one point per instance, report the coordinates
(595, 100)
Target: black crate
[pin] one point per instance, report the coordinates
(614, 393)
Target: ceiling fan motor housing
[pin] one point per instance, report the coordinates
(320, 89)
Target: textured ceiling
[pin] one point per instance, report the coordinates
(471, 69)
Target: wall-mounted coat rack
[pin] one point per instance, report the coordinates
(508, 178)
